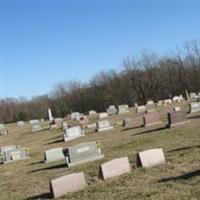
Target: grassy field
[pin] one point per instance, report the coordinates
(179, 178)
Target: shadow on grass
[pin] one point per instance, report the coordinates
(49, 168)
(181, 177)
(37, 162)
(184, 148)
(149, 131)
(56, 141)
(40, 196)
(131, 128)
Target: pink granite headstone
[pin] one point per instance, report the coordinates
(114, 168)
(150, 158)
(68, 183)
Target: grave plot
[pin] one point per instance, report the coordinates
(54, 154)
(73, 133)
(151, 119)
(103, 125)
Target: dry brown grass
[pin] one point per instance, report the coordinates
(29, 179)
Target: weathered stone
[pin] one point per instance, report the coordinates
(127, 123)
(150, 158)
(36, 127)
(54, 155)
(92, 126)
(68, 183)
(177, 118)
(111, 110)
(150, 103)
(152, 118)
(103, 125)
(75, 116)
(92, 112)
(194, 107)
(34, 121)
(115, 167)
(103, 115)
(167, 101)
(20, 123)
(7, 148)
(123, 108)
(177, 109)
(82, 153)
(141, 109)
(14, 155)
(73, 133)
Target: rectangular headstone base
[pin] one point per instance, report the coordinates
(86, 160)
(178, 124)
(66, 139)
(153, 124)
(10, 161)
(105, 129)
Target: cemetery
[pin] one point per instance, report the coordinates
(103, 164)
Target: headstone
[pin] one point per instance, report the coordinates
(152, 118)
(92, 112)
(20, 123)
(36, 127)
(150, 103)
(127, 123)
(123, 108)
(177, 108)
(83, 121)
(111, 110)
(193, 96)
(54, 154)
(141, 109)
(75, 116)
(194, 107)
(3, 130)
(81, 153)
(160, 103)
(64, 125)
(176, 99)
(50, 115)
(73, 133)
(103, 125)
(103, 115)
(167, 102)
(115, 167)
(150, 158)
(14, 155)
(7, 148)
(92, 126)
(67, 184)
(177, 118)
(34, 121)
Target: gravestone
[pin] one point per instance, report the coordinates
(127, 122)
(36, 127)
(75, 116)
(67, 184)
(73, 133)
(83, 121)
(92, 126)
(159, 103)
(103, 115)
(14, 155)
(64, 125)
(103, 125)
(3, 130)
(34, 121)
(7, 148)
(152, 118)
(150, 158)
(150, 103)
(167, 102)
(141, 109)
(123, 108)
(92, 112)
(194, 107)
(54, 154)
(83, 152)
(20, 123)
(177, 118)
(111, 110)
(193, 96)
(50, 115)
(177, 108)
(113, 168)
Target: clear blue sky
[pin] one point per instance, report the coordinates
(45, 42)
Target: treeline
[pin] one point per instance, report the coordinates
(141, 79)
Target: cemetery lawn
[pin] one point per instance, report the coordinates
(179, 178)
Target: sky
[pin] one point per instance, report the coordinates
(44, 42)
